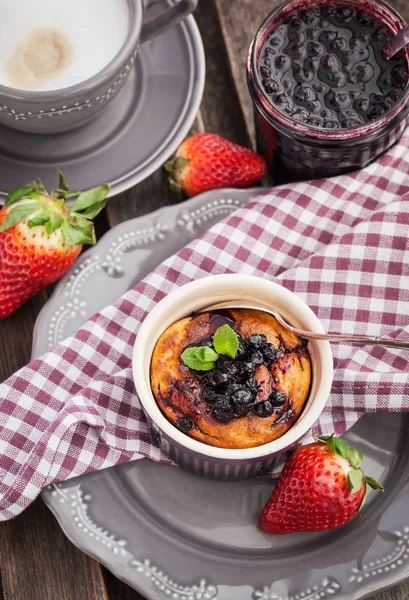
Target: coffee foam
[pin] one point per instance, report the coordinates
(43, 56)
(51, 45)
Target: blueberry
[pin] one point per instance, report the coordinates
(223, 411)
(274, 41)
(232, 389)
(364, 19)
(282, 62)
(243, 347)
(271, 86)
(338, 101)
(184, 424)
(365, 72)
(281, 100)
(265, 71)
(257, 359)
(277, 398)
(246, 369)
(313, 33)
(309, 16)
(263, 409)
(375, 112)
(296, 50)
(380, 34)
(269, 351)
(303, 93)
(295, 24)
(257, 340)
(320, 88)
(296, 36)
(252, 385)
(361, 105)
(315, 49)
(229, 367)
(399, 76)
(218, 381)
(345, 13)
(395, 94)
(240, 401)
(209, 395)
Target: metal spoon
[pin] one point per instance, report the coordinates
(399, 41)
(330, 337)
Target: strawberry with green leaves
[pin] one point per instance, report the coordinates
(206, 161)
(321, 487)
(41, 237)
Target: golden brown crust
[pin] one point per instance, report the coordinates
(178, 391)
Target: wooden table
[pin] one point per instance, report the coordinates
(37, 562)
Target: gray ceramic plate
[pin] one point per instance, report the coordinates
(139, 130)
(172, 535)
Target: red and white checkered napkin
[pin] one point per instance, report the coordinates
(340, 244)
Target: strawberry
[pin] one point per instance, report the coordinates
(321, 487)
(207, 161)
(40, 238)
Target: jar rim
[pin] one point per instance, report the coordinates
(395, 23)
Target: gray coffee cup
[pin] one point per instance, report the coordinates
(71, 107)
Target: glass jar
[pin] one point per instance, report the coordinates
(296, 151)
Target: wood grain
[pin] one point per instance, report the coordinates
(37, 562)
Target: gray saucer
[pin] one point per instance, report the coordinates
(175, 536)
(137, 133)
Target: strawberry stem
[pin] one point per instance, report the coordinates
(356, 477)
(51, 211)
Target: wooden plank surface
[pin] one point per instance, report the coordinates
(37, 562)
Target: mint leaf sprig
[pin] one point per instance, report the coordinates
(203, 358)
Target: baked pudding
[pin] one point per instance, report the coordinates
(232, 379)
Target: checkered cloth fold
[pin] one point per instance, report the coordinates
(340, 244)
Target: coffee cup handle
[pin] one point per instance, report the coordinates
(167, 19)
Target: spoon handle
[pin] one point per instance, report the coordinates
(363, 340)
(399, 41)
(343, 339)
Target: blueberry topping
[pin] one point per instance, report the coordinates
(209, 395)
(266, 72)
(277, 398)
(229, 367)
(223, 411)
(243, 346)
(241, 401)
(229, 390)
(184, 424)
(257, 340)
(263, 409)
(218, 380)
(257, 359)
(246, 369)
(332, 55)
(271, 86)
(270, 353)
(252, 385)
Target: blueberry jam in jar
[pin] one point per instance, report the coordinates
(326, 100)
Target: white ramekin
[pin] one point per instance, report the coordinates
(193, 297)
